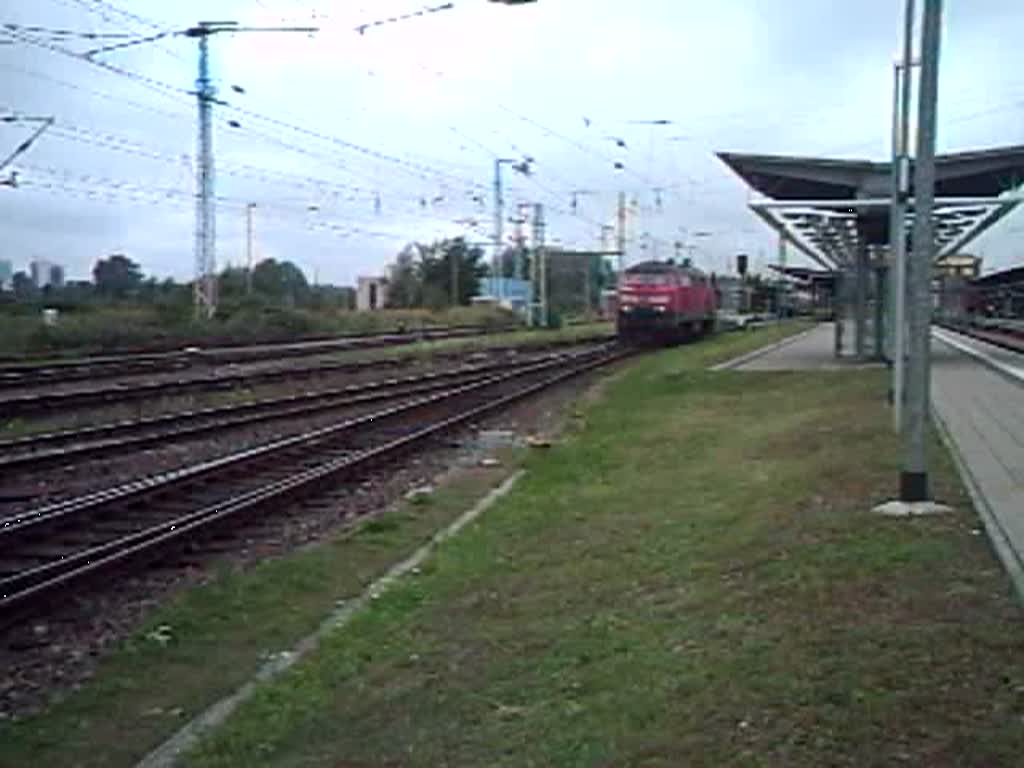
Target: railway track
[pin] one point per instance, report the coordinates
(1011, 341)
(97, 368)
(40, 451)
(50, 549)
(116, 393)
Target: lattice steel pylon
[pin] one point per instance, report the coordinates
(205, 287)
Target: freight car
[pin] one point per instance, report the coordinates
(663, 302)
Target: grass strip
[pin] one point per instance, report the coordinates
(694, 578)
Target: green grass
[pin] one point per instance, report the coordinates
(693, 578)
(525, 338)
(219, 634)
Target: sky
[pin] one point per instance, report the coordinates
(353, 144)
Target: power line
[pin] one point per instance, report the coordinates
(64, 33)
(105, 9)
(92, 185)
(24, 146)
(420, 170)
(95, 92)
(158, 86)
(362, 28)
(319, 185)
(415, 168)
(135, 41)
(167, 89)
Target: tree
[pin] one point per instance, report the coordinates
(509, 258)
(404, 285)
(444, 273)
(280, 280)
(573, 277)
(332, 297)
(23, 287)
(232, 282)
(450, 271)
(149, 289)
(116, 276)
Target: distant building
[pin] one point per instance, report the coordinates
(959, 265)
(732, 294)
(6, 275)
(46, 273)
(371, 293)
(510, 292)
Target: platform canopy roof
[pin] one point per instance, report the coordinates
(831, 208)
(803, 274)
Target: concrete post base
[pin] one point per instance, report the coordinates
(911, 509)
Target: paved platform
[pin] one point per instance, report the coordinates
(813, 350)
(982, 411)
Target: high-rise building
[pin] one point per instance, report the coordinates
(6, 275)
(56, 275)
(46, 273)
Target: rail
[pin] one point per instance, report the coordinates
(35, 452)
(59, 545)
(51, 402)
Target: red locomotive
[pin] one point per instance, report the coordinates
(660, 301)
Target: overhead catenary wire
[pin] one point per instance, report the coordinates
(294, 204)
(423, 171)
(168, 89)
(113, 98)
(26, 144)
(420, 169)
(92, 186)
(107, 11)
(71, 132)
(158, 86)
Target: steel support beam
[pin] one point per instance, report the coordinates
(860, 308)
(767, 219)
(914, 477)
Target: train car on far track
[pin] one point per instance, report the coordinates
(663, 302)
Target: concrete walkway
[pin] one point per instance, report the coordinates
(981, 409)
(808, 351)
(978, 402)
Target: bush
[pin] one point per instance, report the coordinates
(98, 329)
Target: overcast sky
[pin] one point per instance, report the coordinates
(352, 145)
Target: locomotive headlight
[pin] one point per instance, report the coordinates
(659, 308)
